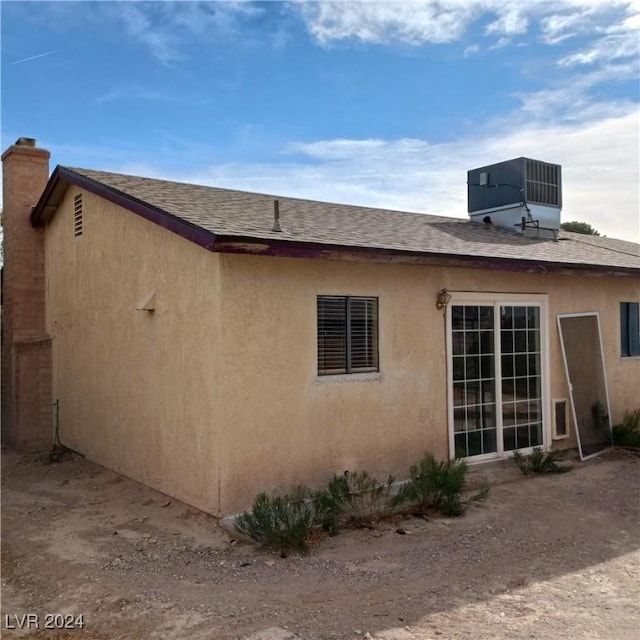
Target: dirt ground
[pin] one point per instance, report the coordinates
(546, 558)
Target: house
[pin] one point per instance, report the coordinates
(212, 343)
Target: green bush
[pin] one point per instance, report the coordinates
(284, 522)
(281, 523)
(627, 434)
(540, 461)
(354, 499)
(435, 485)
(330, 503)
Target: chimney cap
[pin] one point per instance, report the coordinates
(26, 142)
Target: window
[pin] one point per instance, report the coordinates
(347, 334)
(629, 329)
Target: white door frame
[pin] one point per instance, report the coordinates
(498, 300)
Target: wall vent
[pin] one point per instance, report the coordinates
(560, 417)
(77, 215)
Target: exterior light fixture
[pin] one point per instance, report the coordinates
(443, 299)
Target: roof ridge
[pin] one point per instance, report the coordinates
(439, 217)
(225, 219)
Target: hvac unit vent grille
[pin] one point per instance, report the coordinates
(543, 183)
(77, 215)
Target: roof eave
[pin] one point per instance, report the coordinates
(62, 178)
(297, 249)
(44, 208)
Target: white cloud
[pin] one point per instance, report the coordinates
(437, 21)
(558, 27)
(612, 47)
(162, 44)
(166, 28)
(571, 99)
(512, 21)
(378, 22)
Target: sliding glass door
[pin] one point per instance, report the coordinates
(496, 376)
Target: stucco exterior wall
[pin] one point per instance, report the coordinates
(215, 395)
(572, 294)
(290, 425)
(138, 391)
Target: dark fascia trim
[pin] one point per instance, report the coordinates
(37, 213)
(294, 249)
(187, 230)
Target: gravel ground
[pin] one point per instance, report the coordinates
(546, 557)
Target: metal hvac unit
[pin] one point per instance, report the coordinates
(522, 194)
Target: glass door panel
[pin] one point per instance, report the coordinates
(474, 390)
(521, 385)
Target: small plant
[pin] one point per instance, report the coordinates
(330, 503)
(540, 461)
(355, 499)
(627, 434)
(281, 523)
(368, 498)
(434, 485)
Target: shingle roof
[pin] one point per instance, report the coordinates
(229, 213)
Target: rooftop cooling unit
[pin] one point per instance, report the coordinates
(520, 194)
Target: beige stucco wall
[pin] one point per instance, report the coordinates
(137, 391)
(291, 425)
(215, 396)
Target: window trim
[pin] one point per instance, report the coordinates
(627, 330)
(348, 338)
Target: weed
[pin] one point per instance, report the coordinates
(355, 499)
(540, 461)
(330, 503)
(281, 523)
(285, 523)
(368, 498)
(434, 485)
(627, 434)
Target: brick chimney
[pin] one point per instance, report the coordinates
(27, 422)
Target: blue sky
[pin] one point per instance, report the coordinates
(375, 103)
